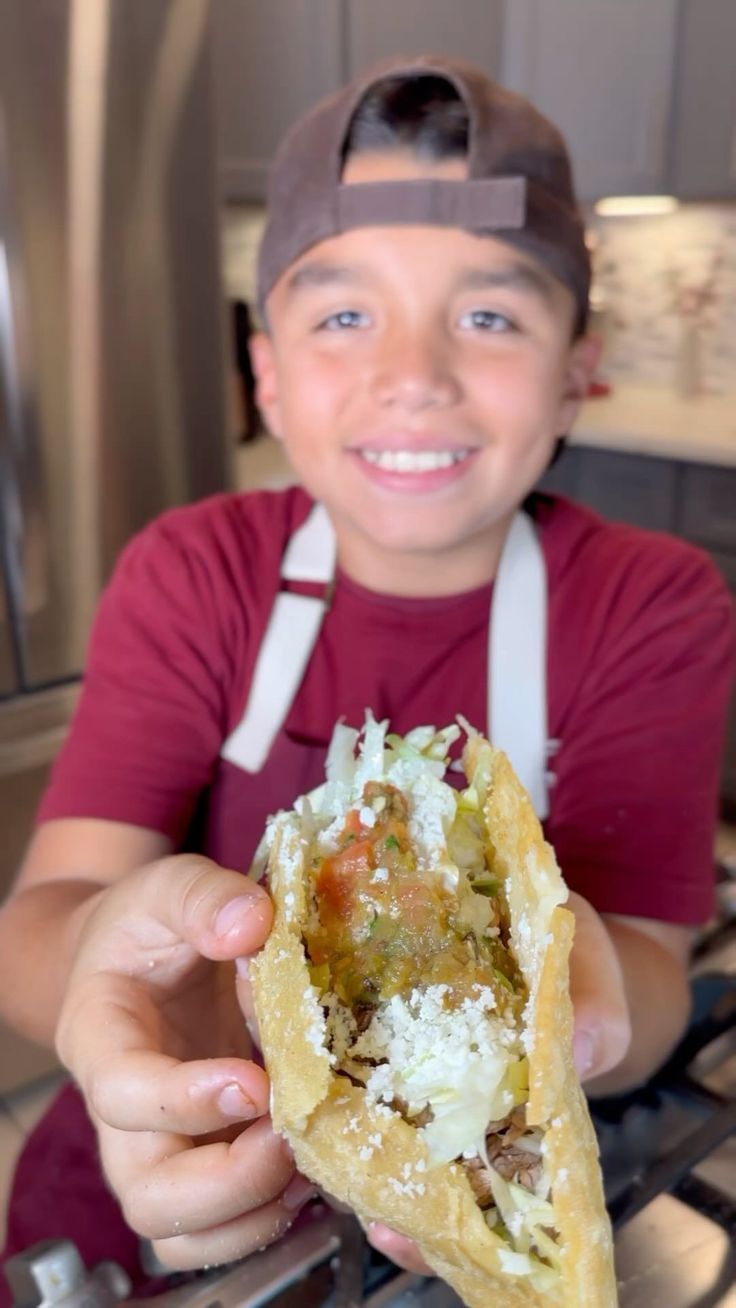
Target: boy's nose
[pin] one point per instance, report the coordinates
(413, 375)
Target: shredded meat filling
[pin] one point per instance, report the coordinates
(507, 1155)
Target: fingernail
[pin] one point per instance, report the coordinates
(234, 1102)
(298, 1191)
(583, 1047)
(231, 916)
(242, 967)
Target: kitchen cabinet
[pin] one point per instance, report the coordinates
(691, 500)
(623, 487)
(708, 507)
(644, 90)
(638, 490)
(466, 29)
(602, 71)
(273, 59)
(703, 134)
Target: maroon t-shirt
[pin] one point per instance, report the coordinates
(640, 656)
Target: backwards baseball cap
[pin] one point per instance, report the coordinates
(519, 185)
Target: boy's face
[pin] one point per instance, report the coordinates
(419, 377)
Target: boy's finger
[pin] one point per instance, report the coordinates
(146, 1091)
(108, 1038)
(178, 901)
(169, 1186)
(221, 913)
(398, 1248)
(233, 1240)
(602, 1020)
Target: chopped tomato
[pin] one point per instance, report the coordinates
(340, 877)
(382, 926)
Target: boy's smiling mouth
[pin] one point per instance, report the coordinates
(408, 461)
(414, 467)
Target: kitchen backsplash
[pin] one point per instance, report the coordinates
(661, 280)
(664, 288)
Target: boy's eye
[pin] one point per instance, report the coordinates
(486, 320)
(344, 319)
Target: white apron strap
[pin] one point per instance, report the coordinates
(517, 642)
(287, 645)
(517, 654)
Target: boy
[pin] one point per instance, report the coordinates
(424, 283)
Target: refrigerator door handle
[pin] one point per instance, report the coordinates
(11, 436)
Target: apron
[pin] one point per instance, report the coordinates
(517, 652)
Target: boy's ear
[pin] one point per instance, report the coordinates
(263, 360)
(582, 361)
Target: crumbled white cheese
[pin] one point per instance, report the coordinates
(454, 1060)
(315, 1027)
(341, 1027)
(383, 1110)
(409, 1188)
(327, 840)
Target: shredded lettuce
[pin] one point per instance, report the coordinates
(519, 1207)
(543, 1278)
(462, 1112)
(528, 1218)
(465, 843)
(340, 766)
(370, 765)
(474, 915)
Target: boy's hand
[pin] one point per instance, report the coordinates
(602, 1018)
(151, 1030)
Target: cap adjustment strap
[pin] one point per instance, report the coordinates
(476, 204)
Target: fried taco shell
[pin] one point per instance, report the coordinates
(416, 1023)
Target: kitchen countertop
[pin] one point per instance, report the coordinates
(641, 420)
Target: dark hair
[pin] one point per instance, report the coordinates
(422, 113)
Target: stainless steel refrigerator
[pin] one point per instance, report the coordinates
(112, 329)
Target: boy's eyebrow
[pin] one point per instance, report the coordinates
(515, 276)
(322, 274)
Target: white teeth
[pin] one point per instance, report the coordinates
(413, 460)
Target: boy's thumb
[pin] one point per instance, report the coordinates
(221, 913)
